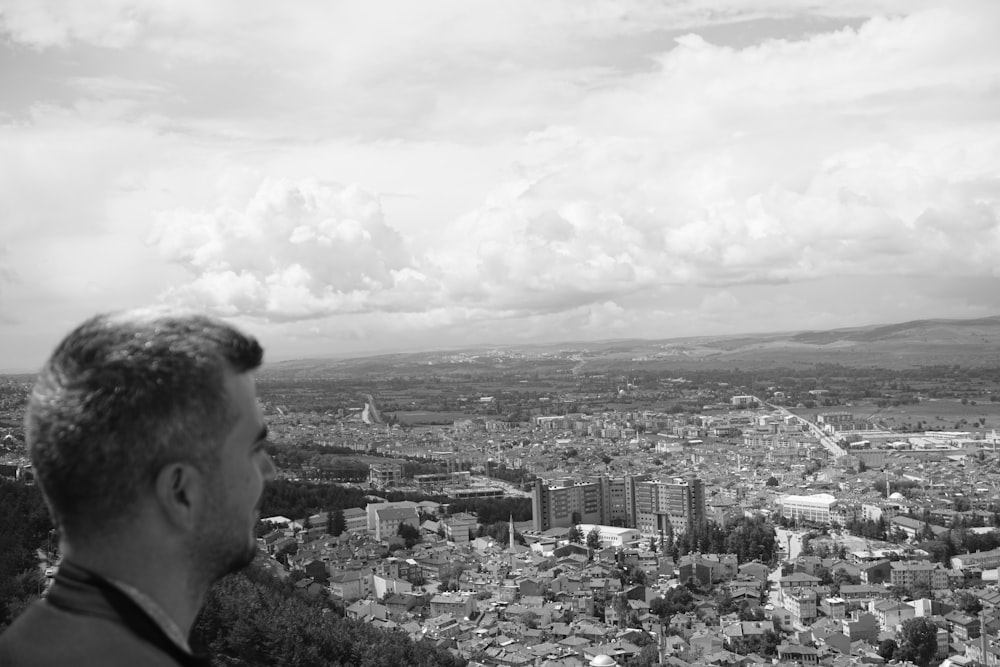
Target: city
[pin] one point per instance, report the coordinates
(553, 527)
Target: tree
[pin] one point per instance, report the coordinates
(337, 522)
(410, 534)
(887, 649)
(574, 535)
(918, 641)
(771, 481)
(594, 539)
(967, 602)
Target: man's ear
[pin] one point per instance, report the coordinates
(180, 493)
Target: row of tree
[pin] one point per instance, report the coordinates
(24, 528)
(252, 619)
(750, 538)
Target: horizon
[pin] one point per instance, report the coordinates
(347, 181)
(487, 345)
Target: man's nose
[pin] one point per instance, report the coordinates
(267, 469)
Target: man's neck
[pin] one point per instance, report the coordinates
(163, 581)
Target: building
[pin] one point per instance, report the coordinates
(355, 520)
(891, 613)
(371, 508)
(566, 503)
(910, 574)
(801, 603)
(725, 511)
(707, 569)
(437, 480)
(457, 604)
(651, 506)
(599, 500)
(618, 494)
(383, 474)
(663, 507)
(389, 519)
(350, 585)
(458, 527)
(612, 536)
(816, 508)
(986, 560)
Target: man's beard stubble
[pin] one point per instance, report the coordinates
(222, 546)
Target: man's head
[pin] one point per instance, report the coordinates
(127, 398)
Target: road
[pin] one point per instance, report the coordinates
(826, 440)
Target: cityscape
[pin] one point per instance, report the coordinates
(644, 517)
(574, 333)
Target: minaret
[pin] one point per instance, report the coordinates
(510, 545)
(887, 484)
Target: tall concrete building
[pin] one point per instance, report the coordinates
(669, 506)
(566, 502)
(632, 501)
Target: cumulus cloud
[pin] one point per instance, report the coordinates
(603, 167)
(786, 161)
(292, 250)
(764, 165)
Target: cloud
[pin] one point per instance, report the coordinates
(293, 250)
(764, 165)
(598, 167)
(787, 161)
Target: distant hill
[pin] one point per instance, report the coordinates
(969, 343)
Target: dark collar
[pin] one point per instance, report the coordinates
(80, 591)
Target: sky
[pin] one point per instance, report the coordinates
(345, 178)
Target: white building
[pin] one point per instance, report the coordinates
(611, 536)
(817, 507)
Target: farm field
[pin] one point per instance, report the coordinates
(938, 414)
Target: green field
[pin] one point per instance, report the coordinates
(942, 414)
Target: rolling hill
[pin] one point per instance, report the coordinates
(969, 343)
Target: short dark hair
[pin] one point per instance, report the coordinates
(123, 395)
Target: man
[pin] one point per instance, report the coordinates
(148, 445)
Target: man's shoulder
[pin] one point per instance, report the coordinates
(48, 636)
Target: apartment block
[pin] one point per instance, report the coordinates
(669, 506)
(595, 500)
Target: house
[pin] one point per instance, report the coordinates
(803, 655)
(350, 585)
(782, 616)
(400, 603)
(457, 604)
(367, 610)
(963, 627)
(891, 613)
(755, 570)
(388, 520)
(445, 625)
(745, 629)
(705, 642)
(858, 596)
(860, 626)
(799, 580)
(707, 568)
(834, 607)
(801, 603)
(875, 572)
